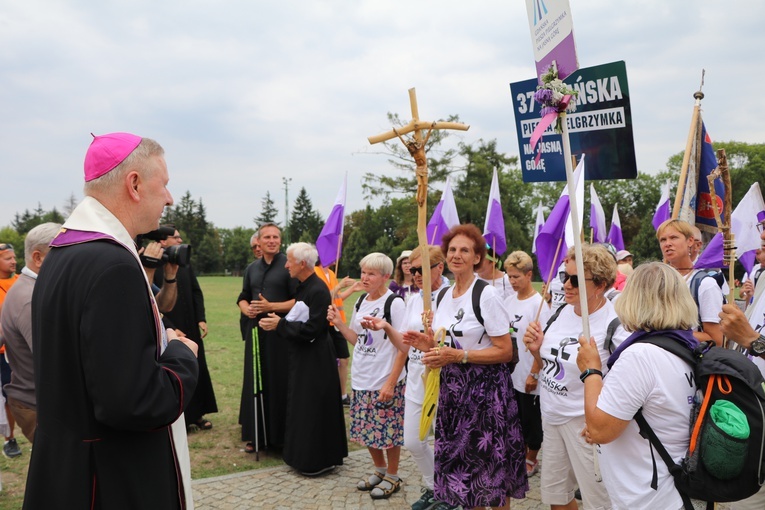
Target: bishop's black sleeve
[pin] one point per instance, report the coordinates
(131, 388)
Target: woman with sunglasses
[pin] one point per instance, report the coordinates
(415, 386)
(479, 450)
(570, 460)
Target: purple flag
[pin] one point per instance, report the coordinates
(712, 256)
(444, 216)
(663, 209)
(557, 227)
(538, 227)
(615, 234)
(330, 242)
(597, 217)
(553, 231)
(744, 219)
(494, 227)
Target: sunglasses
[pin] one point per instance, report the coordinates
(418, 270)
(565, 277)
(6, 246)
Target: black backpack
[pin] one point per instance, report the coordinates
(695, 285)
(386, 307)
(717, 466)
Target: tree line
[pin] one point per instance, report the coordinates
(391, 227)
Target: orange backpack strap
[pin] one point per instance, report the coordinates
(702, 412)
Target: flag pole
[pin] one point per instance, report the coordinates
(692, 134)
(577, 228)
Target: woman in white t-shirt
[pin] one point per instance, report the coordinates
(523, 308)
(569, 460)
(676, 238)
(415, 386)
(655, 302)
(377, 378)
(479, 451)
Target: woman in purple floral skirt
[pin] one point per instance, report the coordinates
(479, 448)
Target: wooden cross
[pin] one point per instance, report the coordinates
(416, 148)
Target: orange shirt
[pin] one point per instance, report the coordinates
(330, 280)
(5, 285)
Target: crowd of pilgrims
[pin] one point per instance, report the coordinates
(510, 362)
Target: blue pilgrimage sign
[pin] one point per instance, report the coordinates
(601, 127)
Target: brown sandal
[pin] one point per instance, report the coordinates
(384, 492)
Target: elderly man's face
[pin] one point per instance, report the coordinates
(7, 263)
(256, 251)
(155, 195)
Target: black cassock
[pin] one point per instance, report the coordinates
(188, 312)
(105, 397)
(315, 435)
(274, 283)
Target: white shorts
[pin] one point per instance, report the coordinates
(568, 462)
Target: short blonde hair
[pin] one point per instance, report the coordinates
(377, 262)
(519, 260)
(681, 226)
(600, 262)
(436, 255)
(655, 298)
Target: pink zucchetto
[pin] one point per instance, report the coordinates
(108, 151)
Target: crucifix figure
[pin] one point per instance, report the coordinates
(416, 147)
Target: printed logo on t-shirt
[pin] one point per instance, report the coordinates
(452, 333)
(553, 369)
(364, 340)
(513, 329)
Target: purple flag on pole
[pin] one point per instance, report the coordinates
(712, 256)
(557, 227)
(494, 227)
(330, 242)
(744, 219)
(615, 234)
(538, 227)
(597, 217)
(663, 209)
(444, 216)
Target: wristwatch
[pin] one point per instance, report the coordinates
(535, 375)
(590, 371)
(757, 347)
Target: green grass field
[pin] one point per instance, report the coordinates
(214, 452)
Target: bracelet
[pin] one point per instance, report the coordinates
(590, 371)
(171, 281)
(464, 356)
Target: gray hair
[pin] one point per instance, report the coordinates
(39, 238)
(303, 252)
(134, 161)
(655, 298)
(254, 237)
(377, 262)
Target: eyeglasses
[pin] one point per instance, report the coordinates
(6, 246)
(418, 270)
(564, 277)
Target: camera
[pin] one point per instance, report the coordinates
(177, 254)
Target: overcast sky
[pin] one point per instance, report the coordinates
(242, 93)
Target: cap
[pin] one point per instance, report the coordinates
(404, 255)
(108, 151)
(622, 254)
(761, 217)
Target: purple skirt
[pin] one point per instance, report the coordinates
(479, 449)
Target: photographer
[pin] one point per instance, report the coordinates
(187, 317)
(151, 256)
